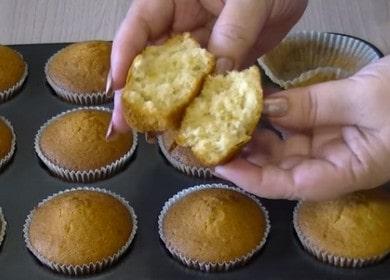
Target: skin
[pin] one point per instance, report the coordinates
(337, 137)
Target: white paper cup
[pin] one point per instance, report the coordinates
(5, 160)
(309, 57)
(86, 175)
(210, 266)
(88, 268)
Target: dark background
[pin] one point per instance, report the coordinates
(147, 182)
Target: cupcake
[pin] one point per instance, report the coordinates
(306, 58)
(213, 227)
(80, 231)
(13, 72)
(181, 158)
(78, 72)
(73, 145)
(3, 226)
(7, 143)
(351, 231)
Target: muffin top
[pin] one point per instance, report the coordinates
(76, 141)
(80, 227)
(354, 226)
(214, 225)
(12, 68)
(181, 154)
(81, 67)
(5, 139)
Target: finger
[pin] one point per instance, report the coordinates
(330, 103)
(144, 21)
(232, 37)
(119, 124)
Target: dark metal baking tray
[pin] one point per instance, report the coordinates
(147, 182)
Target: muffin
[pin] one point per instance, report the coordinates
(181, 158)
(213, 227)
(7, 143)
(306, 58)
(78, 72)
(74, 147)
(351, 231)
(3, 226)
(13, 72)
(80, 231)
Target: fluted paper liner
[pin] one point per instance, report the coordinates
(86, 175)
(90, 98)
(9, 93)
(201, 172)
(326, 256)
(210, 266)
(310, 57)
(3, 226)
(5, 160)
(88, 268)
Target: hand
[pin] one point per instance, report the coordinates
(338, 140)
(236, 31)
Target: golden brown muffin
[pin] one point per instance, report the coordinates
(162, 81)
(5, 139)
(354, 226)
(81, 68)
(214, 225)
(80, 227)
(12, 68)
(76, 141)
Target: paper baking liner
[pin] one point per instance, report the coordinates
(310, 57)
(201, 172)
(86, 175)
(210, 266)
(9, 93)
(92, 98)
(5, 160)
(3, 226)
(325, 256)
(85, 268)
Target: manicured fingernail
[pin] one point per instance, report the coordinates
(275, 106)
(109, 83)
(223, 65)
(110, 132)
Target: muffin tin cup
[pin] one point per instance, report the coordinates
(201, 172)
(310, 67)
(325, 256)
(210, 266)
(89, 268)
(91, 98)
(6, 159)
(9, 93)
(3, 226)
(86, 175)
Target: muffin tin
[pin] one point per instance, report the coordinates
(147, 182)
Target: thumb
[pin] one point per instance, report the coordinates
(339, 102)
(235, 32)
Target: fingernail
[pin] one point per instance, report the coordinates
(110, 131)
(223, 65)
(275, 106)
(109, 83)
